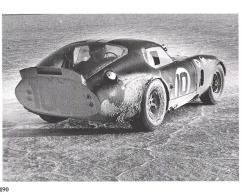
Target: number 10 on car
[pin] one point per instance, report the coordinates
(182, 82)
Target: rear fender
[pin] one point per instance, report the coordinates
(56, 93)
(123, 101)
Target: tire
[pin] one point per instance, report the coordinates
(153, 107)
(215, 91)
(52, 119)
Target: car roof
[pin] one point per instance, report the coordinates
(131, 44)
(134, 43)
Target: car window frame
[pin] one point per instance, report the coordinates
(149, 58)
(124, 53)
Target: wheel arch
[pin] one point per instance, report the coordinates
(208, 96)
(165, 86)
(167, 92)
(141, 120)
(223, 66)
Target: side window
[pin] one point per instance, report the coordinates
(116, 50)
(156, 57)
(81, 54)
(57, 62)
(164, 57)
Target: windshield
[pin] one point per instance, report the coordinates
(85, 58)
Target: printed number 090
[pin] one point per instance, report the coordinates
(4, 189)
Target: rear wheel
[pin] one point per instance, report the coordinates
(51, 119)
(153, 108)
(215, 90)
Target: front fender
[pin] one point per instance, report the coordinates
(205, 66)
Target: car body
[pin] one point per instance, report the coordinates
(70, 83)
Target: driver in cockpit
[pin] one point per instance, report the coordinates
(97, 58)
(97, 53)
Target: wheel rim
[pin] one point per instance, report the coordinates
(155, 106)
(217, 83)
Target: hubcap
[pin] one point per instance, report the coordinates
(154, 105)
(217, 82)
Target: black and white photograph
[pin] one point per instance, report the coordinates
(120, 97)
(124, 97)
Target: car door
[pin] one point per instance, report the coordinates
(185, 78)
(180, 76)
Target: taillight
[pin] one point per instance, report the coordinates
(111, 75)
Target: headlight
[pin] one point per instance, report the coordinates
(111, 75)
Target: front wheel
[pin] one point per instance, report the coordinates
(216, 88)
(52, 119)
(153, 107)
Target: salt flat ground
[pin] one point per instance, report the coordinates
(196, 142)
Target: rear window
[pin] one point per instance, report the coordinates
(86, 58)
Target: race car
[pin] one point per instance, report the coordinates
(129, 80)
